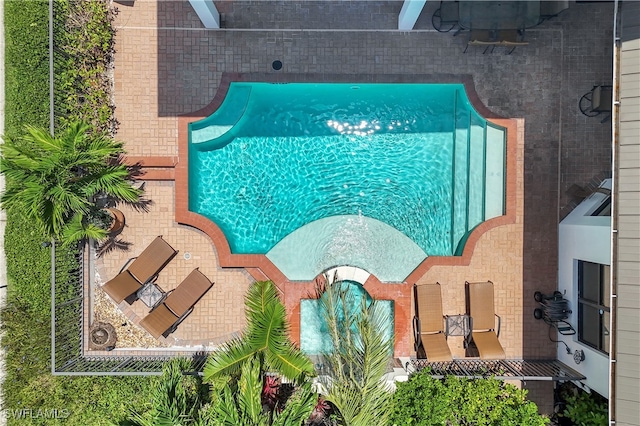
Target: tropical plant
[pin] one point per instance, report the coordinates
(243, 403)
(426, 401)
(57, 180)
(176, 400)
(359, 358)
(89, 400)
(265, 339)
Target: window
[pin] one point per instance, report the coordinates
(593, 305)
(604, 209)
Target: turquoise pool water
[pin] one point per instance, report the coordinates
(278, 166)
(314, 333)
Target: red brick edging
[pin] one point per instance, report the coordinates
(260, 267)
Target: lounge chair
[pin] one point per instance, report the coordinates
(141, 269)
(428, 324)
(176, 305)
(484, 333)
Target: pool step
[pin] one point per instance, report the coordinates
(348, 273)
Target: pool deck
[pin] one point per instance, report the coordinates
(166, 66)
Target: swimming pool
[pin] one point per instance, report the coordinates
(378, 176)
(314, 335)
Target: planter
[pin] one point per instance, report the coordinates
(117, 225)
(101, 336)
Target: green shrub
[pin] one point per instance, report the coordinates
(85, 49)
(424, 401)
(28, 264)
(585, 409)
(26, 320)
(26, 64)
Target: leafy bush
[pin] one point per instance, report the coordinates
(26, 320)
(176, 398)
(424, 401)
(585, 409)
(85, 49)
(26, 64)
(28, 264)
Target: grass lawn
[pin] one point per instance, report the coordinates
(29, 384)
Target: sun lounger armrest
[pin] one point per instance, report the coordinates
(177, 323)
(467, 340)
(127, 264)
(416, 332)
(499, 322)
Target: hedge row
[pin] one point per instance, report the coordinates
(29, 384)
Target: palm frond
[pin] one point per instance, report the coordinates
(67, 199)
(267, 328)
(228, 359)
(14, 157)
(259, 296)
(290, 362)
(113, 182)
(51, 216)
(250, 391)
(13, 174)
(105, 147)
(42, 139)
(360, 356)
(377, 348)
(298, 407)
(76, 230)
(226, 412)
(76, 136)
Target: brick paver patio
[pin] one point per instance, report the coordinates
(167, 65)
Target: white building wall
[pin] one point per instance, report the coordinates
(583, 237)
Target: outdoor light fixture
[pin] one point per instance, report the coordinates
(578, 356)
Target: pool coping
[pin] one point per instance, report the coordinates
(258, 265)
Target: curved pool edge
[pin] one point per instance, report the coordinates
(324, 243)
(258, 265)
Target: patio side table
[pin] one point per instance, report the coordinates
(150, 294)
(457, 325)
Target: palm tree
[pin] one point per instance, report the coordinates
(237, 371)
(55, 181)
(241, 403)
(265, 339)
(360, 355)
